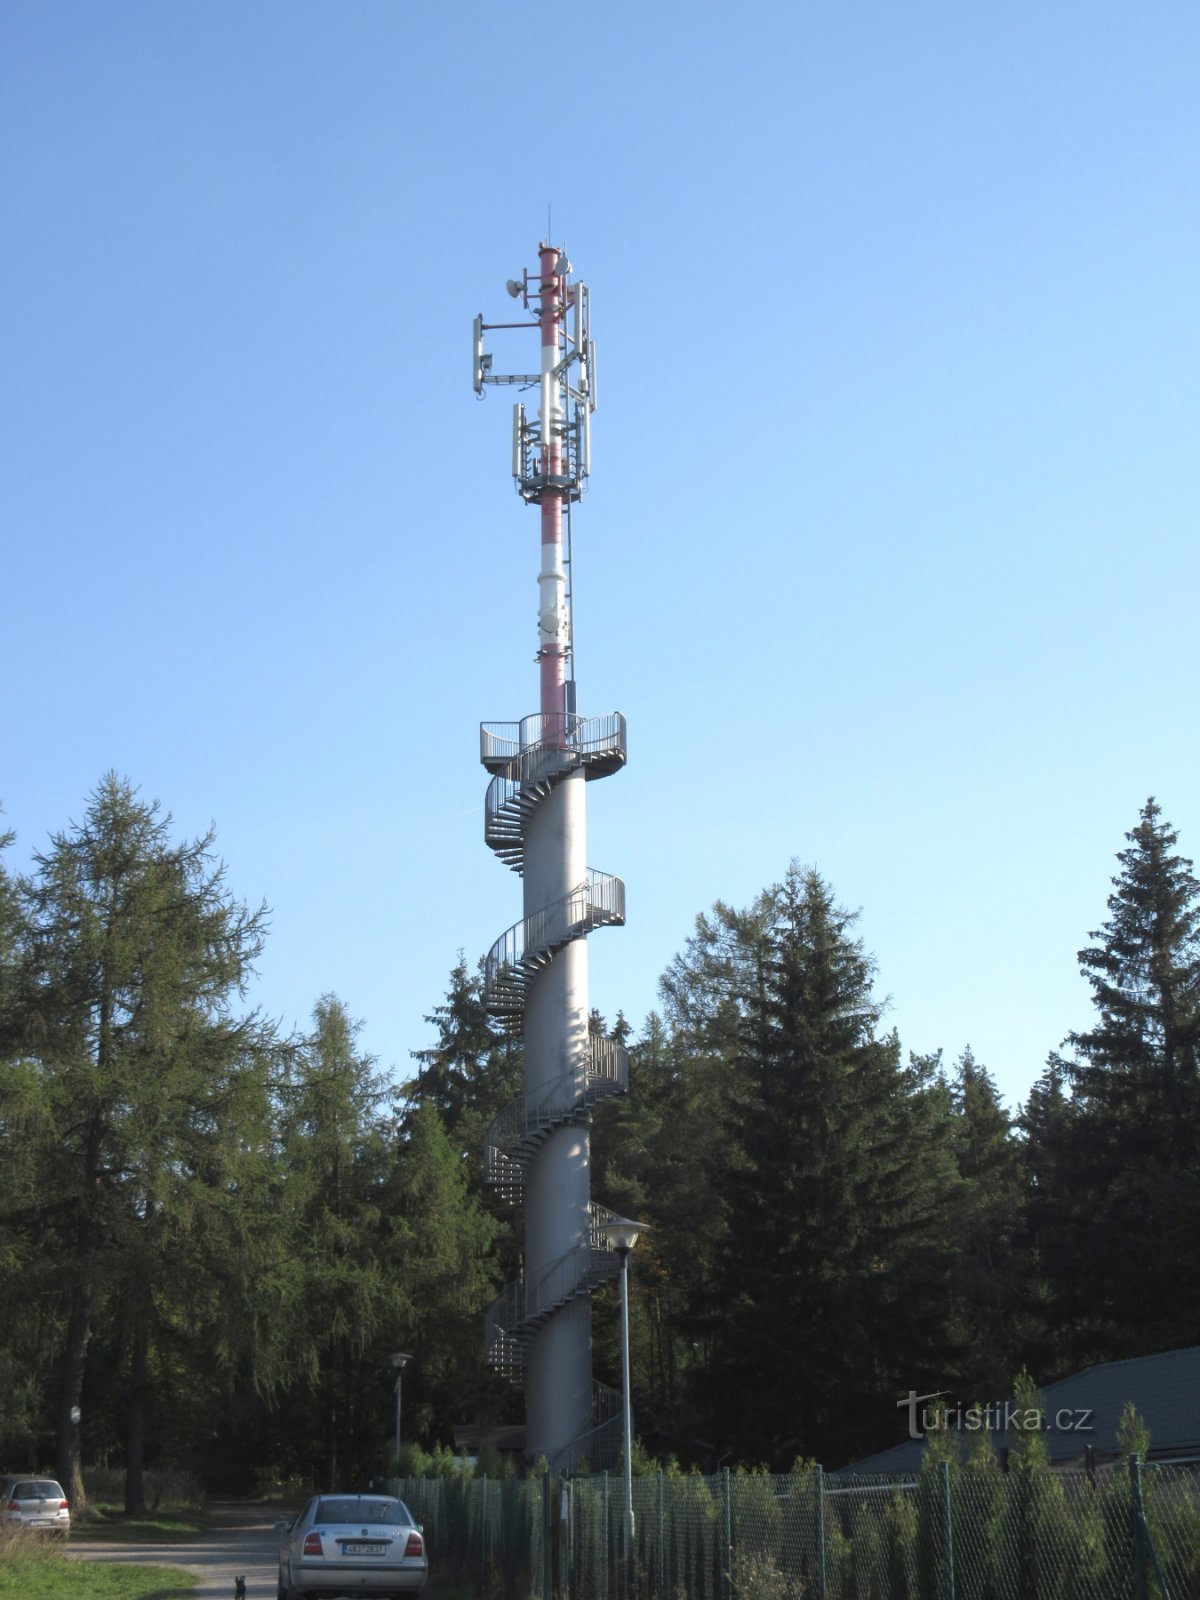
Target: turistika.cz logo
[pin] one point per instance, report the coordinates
(1009, 1417)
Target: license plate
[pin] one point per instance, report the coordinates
(359, 1549)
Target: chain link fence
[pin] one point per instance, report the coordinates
(1127, 1532)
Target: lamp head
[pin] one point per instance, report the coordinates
(399, 1357)
(623, 1233)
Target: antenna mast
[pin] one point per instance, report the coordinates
(536, 975)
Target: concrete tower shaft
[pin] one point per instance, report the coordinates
(535, 818)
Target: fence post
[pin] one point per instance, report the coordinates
(661, 1587)
(948, 1530)
(604, 1534)
(568, 1549)
(727, 1570)
(1136, 1525)
(547, 1540)
(819, 1489)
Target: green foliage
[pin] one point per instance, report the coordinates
(225, 1234)
(140, 1095)
(642, 1464)
(411, 1461)
(344, 1297)
(1120, 1160)
(493, 1463)
(1038, 1530)
(839, 1190)
(468, 1075)
(990, 1312)
(1133, 1436)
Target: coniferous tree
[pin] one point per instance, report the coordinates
(1120, 1229)
(653, 1152)
(992, 1317)
(660, 1155)
(1140, 1057)
(1047, 1124)
(443, 1238)
(350, 1296)
(837, 1258)
(470, 1074)
(133, 1069)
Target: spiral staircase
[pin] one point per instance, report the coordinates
(527, 760)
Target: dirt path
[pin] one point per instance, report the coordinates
(239, 1541)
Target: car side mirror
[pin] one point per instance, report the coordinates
(282, 1526)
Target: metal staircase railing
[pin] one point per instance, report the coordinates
(601, 1444)
(519, 1310)
(516, 1133)
(524, 949)
(527, 758)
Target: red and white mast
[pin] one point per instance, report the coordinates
(553, 624)
(536, 976)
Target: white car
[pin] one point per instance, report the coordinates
(36, 1503)
(351, 1544)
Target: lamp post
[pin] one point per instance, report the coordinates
(399, 1357)
(623, 1234)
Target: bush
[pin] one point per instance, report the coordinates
(759, 1577)
(167, 1488)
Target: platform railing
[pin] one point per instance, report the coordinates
(502, 743)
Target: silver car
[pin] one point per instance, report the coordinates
(351, 1544)
(36, 1503)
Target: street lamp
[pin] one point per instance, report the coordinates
(623, 1234)
(399, 1357)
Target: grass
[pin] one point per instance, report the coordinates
(167, 1528)
(44, 1575)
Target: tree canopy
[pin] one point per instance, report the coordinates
(215, 1234)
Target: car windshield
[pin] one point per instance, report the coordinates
(43, 1489)
(363, 1509)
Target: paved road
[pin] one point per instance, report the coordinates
(239, 1542)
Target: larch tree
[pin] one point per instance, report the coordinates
(133, 1066)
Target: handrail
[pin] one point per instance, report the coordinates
(524, 1303)
(606, 1429)
(597, 902)
(606, 1063)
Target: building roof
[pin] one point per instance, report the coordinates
(1164, 1388)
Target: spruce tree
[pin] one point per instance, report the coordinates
(1141, 1054)
(839, 1193)
(350, 1295)
(1126, 1215)
(469, 1075)
(991, 1313)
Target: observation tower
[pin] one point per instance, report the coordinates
(536, 975)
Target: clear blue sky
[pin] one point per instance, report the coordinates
(890, 556)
